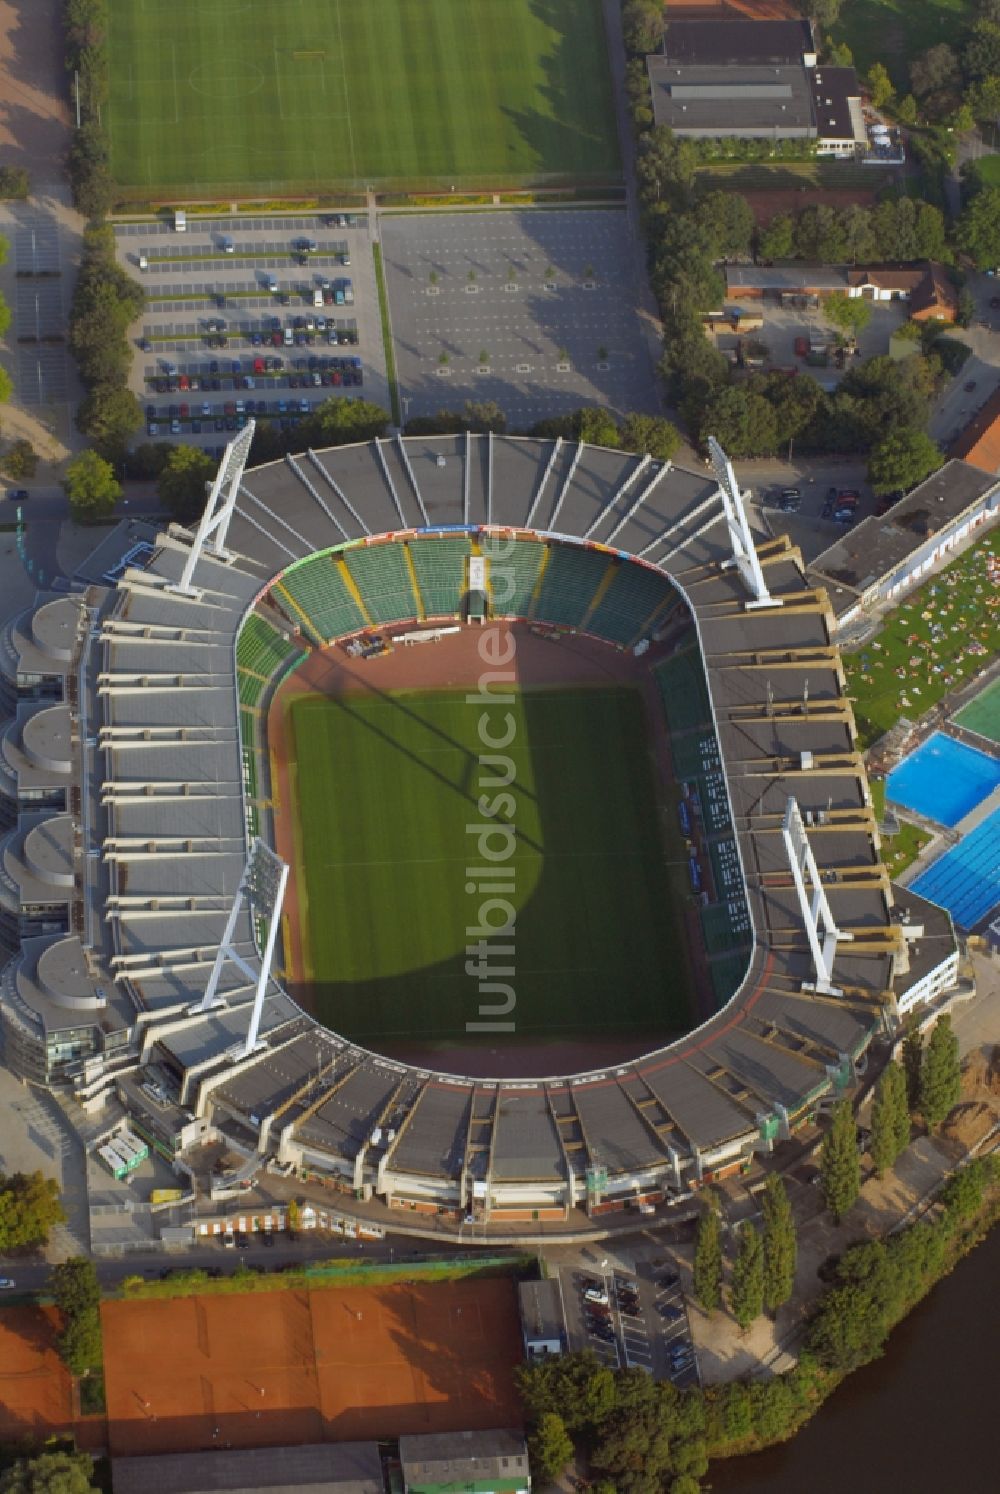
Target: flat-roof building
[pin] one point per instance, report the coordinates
(543, 1323)
(457, 1462)
(881, 558)
(324, 1468)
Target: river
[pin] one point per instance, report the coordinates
(920, 1420)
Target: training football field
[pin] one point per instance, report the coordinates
(251, 96)
(386, 790)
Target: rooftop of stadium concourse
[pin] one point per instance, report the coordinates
(205, 1035)
(36, 745)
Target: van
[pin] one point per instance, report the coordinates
(289, 337)
(227, 246)
(180, 221)
(143, 262)
(596, 1294)
(317, 297)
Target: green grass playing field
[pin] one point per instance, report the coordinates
(385, 790)
(893, 32)
(982, 714)
(270, 95)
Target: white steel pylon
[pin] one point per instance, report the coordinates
(745, 557)
(262, 886)
(214, 524)
(821, 928)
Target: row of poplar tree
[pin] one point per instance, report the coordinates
(926, 1082)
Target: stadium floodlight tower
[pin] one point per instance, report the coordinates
(214, 525)
(821, 928)
(745, 557)
(262, 887)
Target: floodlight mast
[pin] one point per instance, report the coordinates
(213, 527)
(745, 557)
(821, 928)
(262, 886)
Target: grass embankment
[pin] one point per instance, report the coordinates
(898, 851)
(326, 1274)
(387, 343)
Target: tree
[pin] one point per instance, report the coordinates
(20, 460)
(14, 182)
(981, 56)
(879, 85)
(480, 416)
(651, 435)
(780, 1244)
(904, 458)
(940, 1073)
(839, 1163)
(746, 1291)
(5, 317)
(907, 110)
(978, 228)
(934, 71)
(913, 1057)
(74, 1285)
(293, 1214)
(777, 239)
(50, 1473)
(110, 416)
(890, 1118)
(91, 486)
(6, 386)
(642, 26)
(29, 1210)
(826, 13)
(743, 421)
(851, 313)
(597, 427)
(727, 220)
(708, 1261)
(181, 485)
(340, 422)
(549, 1448)
(80, 1342)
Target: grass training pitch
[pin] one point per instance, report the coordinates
(895, 31)
(265, 95)
(384, 791)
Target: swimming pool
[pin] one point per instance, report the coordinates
(943, 779)
(966, 880)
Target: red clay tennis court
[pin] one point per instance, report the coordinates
(36, 1391)
(330, 1364)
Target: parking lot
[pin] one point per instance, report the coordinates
(251, 317)
(632, 1319)
(535, 310)
(784, 326)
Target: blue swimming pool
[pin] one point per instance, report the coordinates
(943, 779)
(966, 880)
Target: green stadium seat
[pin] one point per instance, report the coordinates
(383, 581)
(633, 595)
(320, 591)
(259, 651)
(513, 579)
(569, 585)
(685, 695)
(440, 568)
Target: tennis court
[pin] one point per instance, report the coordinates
(36, 1391)
(299, 1366)
(966, 879)
(982, 715)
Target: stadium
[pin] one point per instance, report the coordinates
(143, 873)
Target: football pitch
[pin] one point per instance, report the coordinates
(387, 795)
(247, 96)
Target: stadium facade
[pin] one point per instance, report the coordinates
(133, 781)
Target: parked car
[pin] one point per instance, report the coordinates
(7, 1284)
